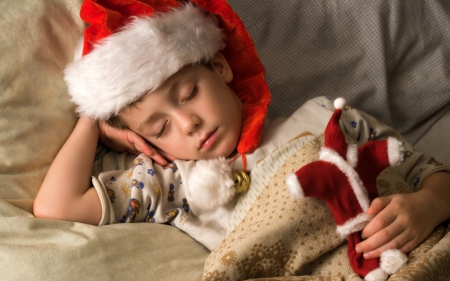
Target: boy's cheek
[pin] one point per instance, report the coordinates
(166, 155)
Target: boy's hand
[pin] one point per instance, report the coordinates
(402, 221)
(125, 140)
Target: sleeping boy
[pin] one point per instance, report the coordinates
(182, 82)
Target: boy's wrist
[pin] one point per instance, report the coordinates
(88, 123)
(436, 189)
(86, 120)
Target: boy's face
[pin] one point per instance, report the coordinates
(193, 115)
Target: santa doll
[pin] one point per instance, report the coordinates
(345, 178)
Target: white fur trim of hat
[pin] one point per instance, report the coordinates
(138, 58)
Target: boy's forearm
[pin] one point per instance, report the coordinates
(436, 187)
(65, 193)
(77, 155)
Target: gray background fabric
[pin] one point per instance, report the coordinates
(389, 58)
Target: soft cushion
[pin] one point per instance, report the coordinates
(37, 40)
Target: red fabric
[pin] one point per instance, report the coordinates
(359, 265)
(373, 158)
(318, 179)
(334, 137)
(106, 16)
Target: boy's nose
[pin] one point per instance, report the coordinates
(188, 122)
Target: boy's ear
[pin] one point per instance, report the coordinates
(221, 66)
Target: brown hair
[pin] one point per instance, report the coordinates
(115, 122)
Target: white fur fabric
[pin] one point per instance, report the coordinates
(395, 151)
(392, 260)
(137, 59)
(210, 185)
(294, 187)
(340, 103)
(376, 275)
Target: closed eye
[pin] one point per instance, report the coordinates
(158, 135)
(191, 95)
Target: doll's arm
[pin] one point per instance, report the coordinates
(66, 192)
(417, 166)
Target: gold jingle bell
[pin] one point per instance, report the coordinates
(241, 181)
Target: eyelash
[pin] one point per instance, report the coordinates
(162, 130)
(191, 96)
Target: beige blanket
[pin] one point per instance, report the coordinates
(284, 237)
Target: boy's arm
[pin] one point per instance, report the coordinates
(66, 192)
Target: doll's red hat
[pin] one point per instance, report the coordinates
(127, 40)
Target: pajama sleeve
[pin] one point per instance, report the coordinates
(134, 189)
(362, 127)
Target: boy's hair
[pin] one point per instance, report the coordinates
(116, 122)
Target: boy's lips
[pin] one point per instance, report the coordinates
(207, 141)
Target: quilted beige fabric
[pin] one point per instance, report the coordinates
(284, 237)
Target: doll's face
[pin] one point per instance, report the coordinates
(193, 115)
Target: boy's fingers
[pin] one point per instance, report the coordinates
(399, 242)
(131, 142)
(387, 238)
(381, 221)
(159, 159)
(378, 204)
(140, 144)
(152, 153)
(166, 155)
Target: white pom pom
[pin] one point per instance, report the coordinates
(340, 103)
(376, 275)
(392, 261)
(210, 185)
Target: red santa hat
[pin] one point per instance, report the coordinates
(132, 46)
(345, 178)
